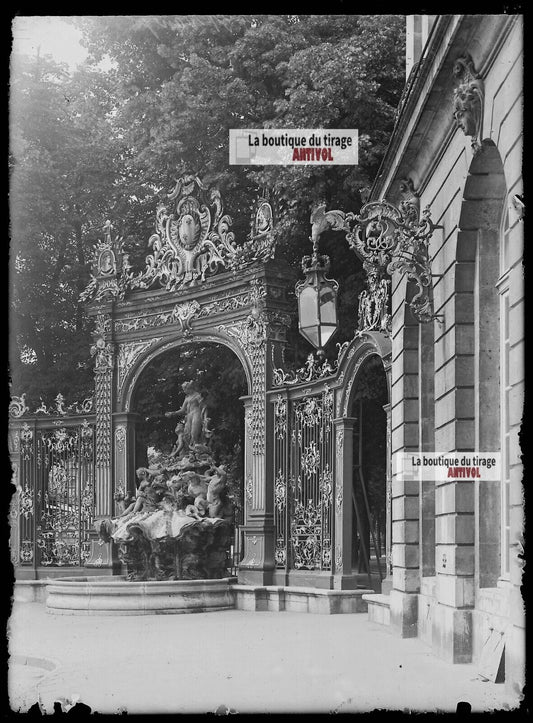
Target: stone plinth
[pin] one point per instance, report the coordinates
(378, 608)
(116, 596)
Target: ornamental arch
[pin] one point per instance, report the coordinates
(313, 456)
(126, 401)
(199, 285)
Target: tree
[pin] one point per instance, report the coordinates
(101, 144)
(184, 81)
(66, 170)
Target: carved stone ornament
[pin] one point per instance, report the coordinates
(468, 99)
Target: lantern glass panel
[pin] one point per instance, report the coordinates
(308, 307)
(328, 311)
(326, 334)
(311, 333)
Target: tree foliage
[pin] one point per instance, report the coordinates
(61, 192)
(108, 142)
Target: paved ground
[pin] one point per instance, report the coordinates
(243, 661)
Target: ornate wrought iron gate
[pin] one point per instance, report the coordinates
(303, 491)
(55, 493)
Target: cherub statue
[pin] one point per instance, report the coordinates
(143, 477)
(179, 448)
(215, 490)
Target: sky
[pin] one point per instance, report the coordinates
(51, 35)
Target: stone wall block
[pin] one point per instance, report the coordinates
(455, 591)
(405, 531)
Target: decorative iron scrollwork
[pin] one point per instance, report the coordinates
(387, 239)
(326, 486)
(280, 490)
(251, 335)
(26, 442)
(312, 370)
(310, 459)
(280, 417)
(306, 535)
(193, 239)
(18, 407)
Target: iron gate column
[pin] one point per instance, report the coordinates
(103, 351)
(343, 577)
(257, 565)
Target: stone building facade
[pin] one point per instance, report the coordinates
(458, 382)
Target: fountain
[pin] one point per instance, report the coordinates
(173, 536)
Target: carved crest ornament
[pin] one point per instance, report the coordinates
(389, 238)
(192, 241)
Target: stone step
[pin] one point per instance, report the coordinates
(275, 598)
(378, 608)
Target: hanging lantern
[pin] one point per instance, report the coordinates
(317, 301)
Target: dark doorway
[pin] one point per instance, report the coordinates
(369, 478)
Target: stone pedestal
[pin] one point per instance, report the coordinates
(103, 555)
(404, 613)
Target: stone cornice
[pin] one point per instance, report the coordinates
(426, 123)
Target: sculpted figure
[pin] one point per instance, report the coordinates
(194, 410)
(215, 491)
(179, 447)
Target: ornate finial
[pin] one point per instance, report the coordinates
(109, 268)
(108, 226)
(262, 219)
(321, 220)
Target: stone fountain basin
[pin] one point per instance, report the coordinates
(114, 595)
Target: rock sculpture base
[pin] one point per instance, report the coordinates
(199, 553)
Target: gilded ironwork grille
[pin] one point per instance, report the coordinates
(56, 495)
(304, 482)
(281, 464)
